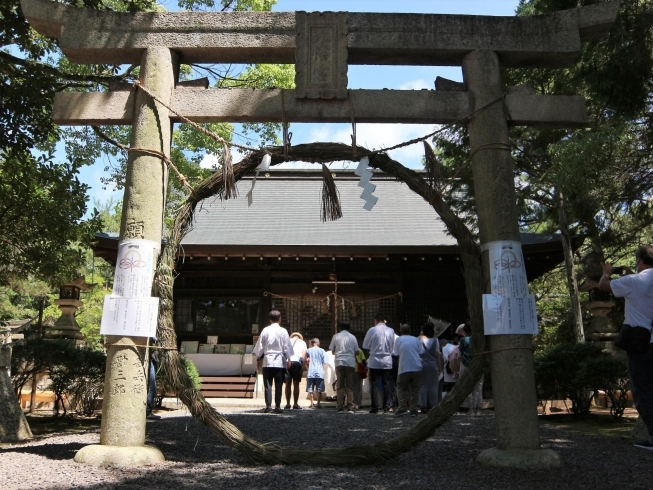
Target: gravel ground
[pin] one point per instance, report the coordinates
(197, 459)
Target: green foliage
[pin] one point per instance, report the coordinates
(33, 70)
(164, 387)
(617, 71)
(21, 298)
(42, 205)
(192, 372)
(110, 213)
(577, 372)
(604, 172)
(234, 5)
(89, 315)
(76, 374)
(266, 76)
(553, 310)
(78, 378)
(612, 375)
(28, 358)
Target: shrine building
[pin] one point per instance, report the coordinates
(246, 256)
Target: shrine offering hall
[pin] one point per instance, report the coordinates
(270, 250)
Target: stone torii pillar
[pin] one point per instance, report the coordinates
(122, 435)
(515, 400)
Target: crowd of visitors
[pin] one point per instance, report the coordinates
(405, 374)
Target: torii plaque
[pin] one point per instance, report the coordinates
(322, 45)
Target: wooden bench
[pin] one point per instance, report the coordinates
(228, 386)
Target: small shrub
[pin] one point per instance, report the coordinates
(76, 374)
(30, 357)
(611, 374)
(87, 385)
(577, 372)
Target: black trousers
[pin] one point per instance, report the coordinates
(640, 370)
(276, 374)
(388, 387)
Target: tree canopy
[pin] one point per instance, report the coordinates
(43, 205)
(599, 178)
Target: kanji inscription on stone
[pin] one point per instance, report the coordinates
(134, 229)
(321, 55)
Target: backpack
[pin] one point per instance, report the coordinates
(361, 367)
(453, 361)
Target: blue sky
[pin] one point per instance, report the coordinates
(371, 77)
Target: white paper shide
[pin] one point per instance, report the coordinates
(510, 309)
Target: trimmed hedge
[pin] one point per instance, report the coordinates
(578, 372)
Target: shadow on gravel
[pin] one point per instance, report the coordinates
(197, 459)
(184, 440)
(63, 451)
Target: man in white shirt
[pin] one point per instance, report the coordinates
(297, 362)
(345, 347)
(637, 289)
(379, 341)
(273, 348)
(408, 349)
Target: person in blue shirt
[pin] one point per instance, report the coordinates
(315, 377)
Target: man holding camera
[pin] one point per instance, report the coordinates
(635, 335)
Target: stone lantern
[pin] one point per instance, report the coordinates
(601, 328)
(66, 326)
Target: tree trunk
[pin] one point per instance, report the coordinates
(572, 283)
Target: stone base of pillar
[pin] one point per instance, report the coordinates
(119, 456)
(526, 459)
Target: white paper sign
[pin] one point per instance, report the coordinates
(132, 317)
(507, 269)
(505, 316)
(510, 309)
(135, 268)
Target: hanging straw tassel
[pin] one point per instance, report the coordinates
(331, 210)
(325, 306)
(353, 313)
(353, 128)
(434, 173)
(230, 189)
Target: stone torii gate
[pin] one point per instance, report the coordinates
(322, 45)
